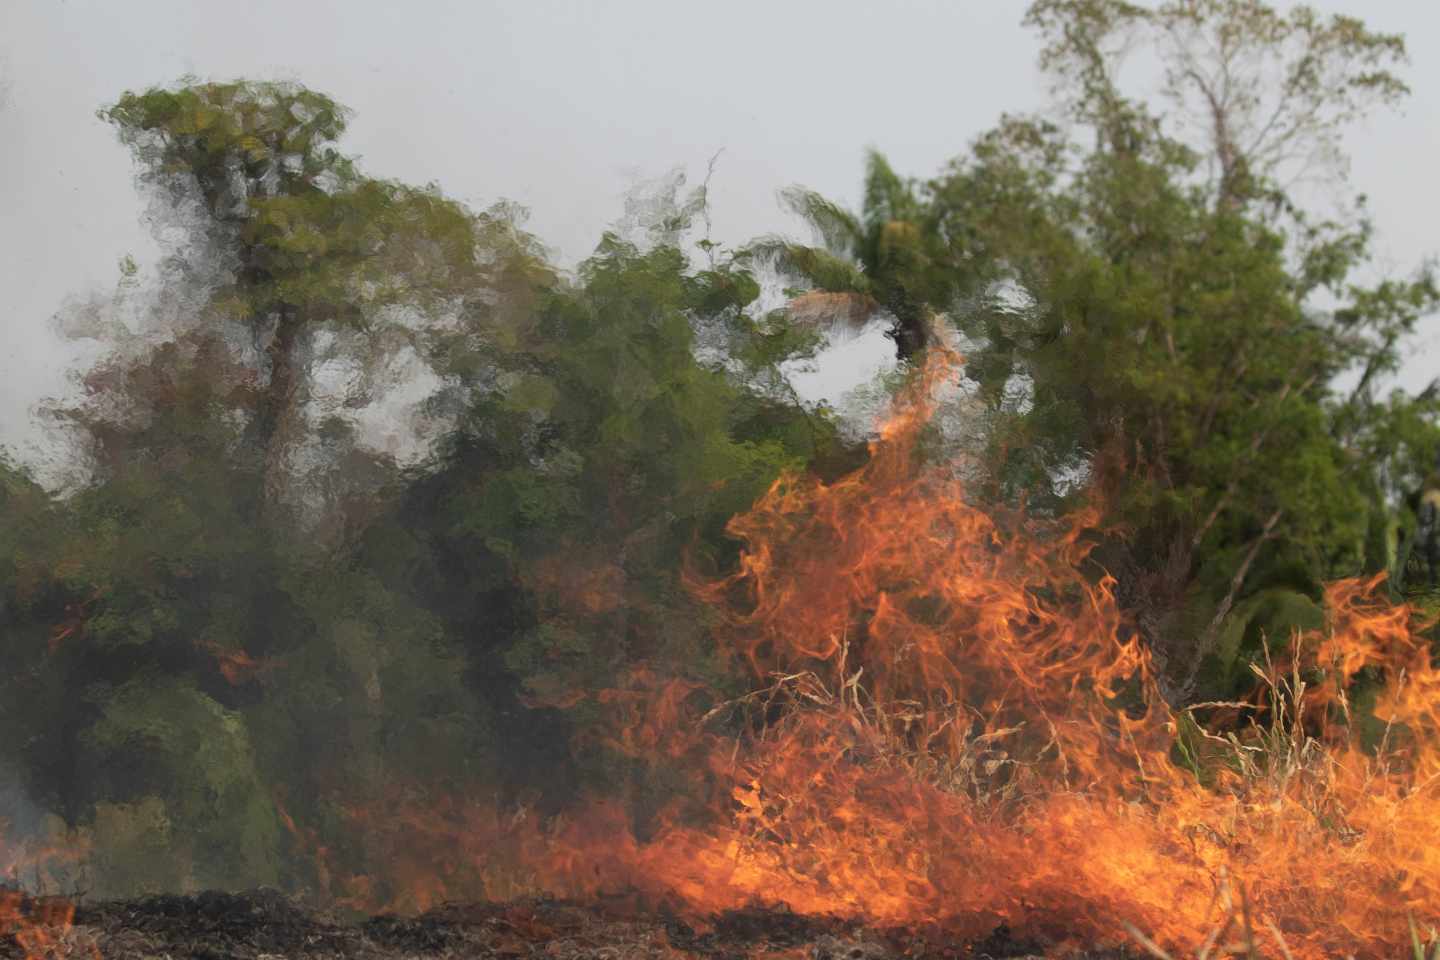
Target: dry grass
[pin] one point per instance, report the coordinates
(1275, 756)
(938, 746)
(1279, 758)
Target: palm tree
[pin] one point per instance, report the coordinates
(890, 258)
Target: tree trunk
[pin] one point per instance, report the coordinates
(279, 405)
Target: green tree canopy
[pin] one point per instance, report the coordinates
(307, 241)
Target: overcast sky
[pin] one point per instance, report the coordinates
(560, 106)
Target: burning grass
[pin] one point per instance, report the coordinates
(969, 736)
(953, 730)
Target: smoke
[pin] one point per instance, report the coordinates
(21, 824)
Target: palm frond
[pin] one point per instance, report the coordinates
(837, 228)
(818, 267)
(887, 196)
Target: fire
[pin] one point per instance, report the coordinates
(35, 926)
(41, 926)
(953, 728)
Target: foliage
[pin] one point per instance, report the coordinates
(247, 623)
(244, 626)
(1141, 299)
(889, 257)
(593, 456)
(308, 243)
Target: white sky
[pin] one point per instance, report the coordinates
(560, 106)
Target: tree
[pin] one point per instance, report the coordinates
(593, 449)
(182, 658)
(309, 243)
(1263, 95)
(421, 617)
(1166, 342)
(887, 258)
(1139, 293)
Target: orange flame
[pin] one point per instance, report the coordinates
(32, 926)
(953, 727)
(974, 741)
(38, 925)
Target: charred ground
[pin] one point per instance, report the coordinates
(268, 925)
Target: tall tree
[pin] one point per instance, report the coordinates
(1263, 95)
(1166, 339)
(309, 243)
(1143, 292)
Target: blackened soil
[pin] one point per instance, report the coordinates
(267, 925)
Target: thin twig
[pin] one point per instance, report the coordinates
(1150, 946)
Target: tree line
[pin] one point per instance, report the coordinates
(246, 617)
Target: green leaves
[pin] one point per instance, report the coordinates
(594, 455)
(1263, 94)
(159, 737)
(839, 230)
(307, 245)
(1271, 616)
(273, 132)
(891, 256)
